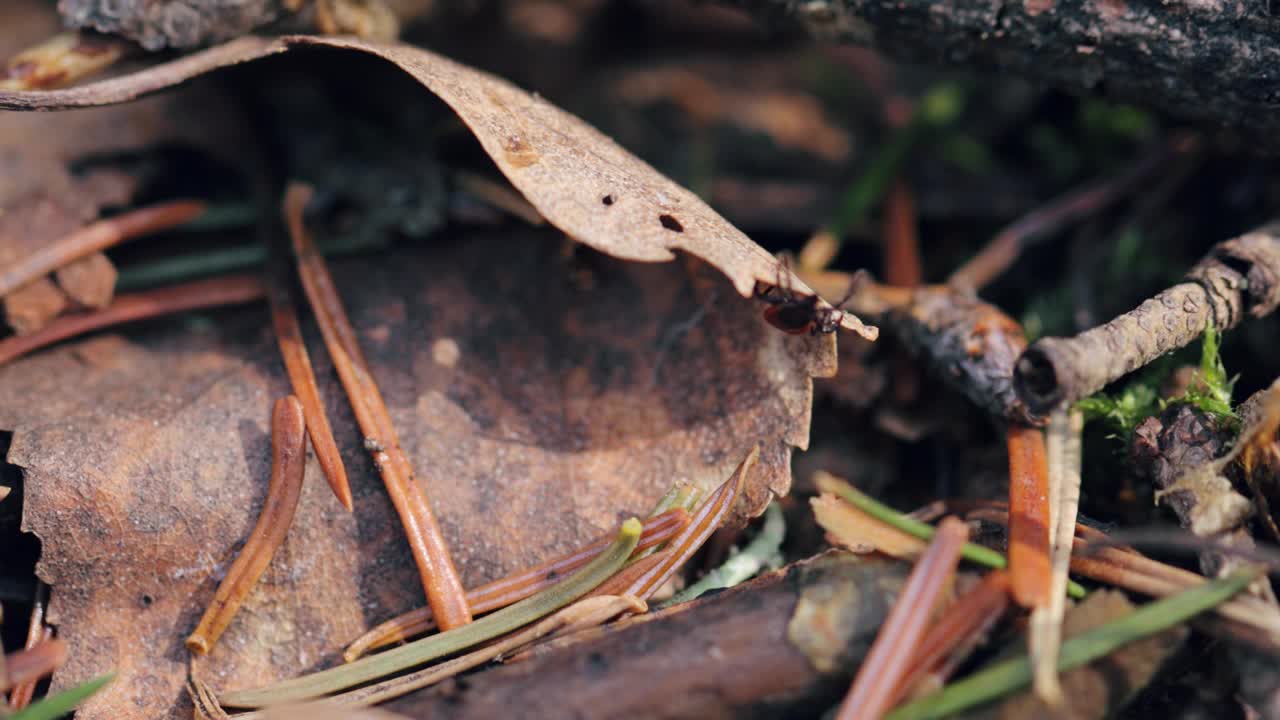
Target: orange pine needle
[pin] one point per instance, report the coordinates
(29, 665)
(1029, 566)
(964, 621)
(901, 242)
(21, 694)
(439, 577)
(96, 236)
(228, 290)
(513, 588)
(705, 521)
(895, 647)
(288, 463)
(302, 378)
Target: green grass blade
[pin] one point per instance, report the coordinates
(1011, 675)
(55, 706)
(972, 552)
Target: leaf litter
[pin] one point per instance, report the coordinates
(500, 115)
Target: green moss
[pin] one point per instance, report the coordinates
(1209, 390)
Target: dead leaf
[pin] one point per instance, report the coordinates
(540, 398)
(577, 178)
(851, 528)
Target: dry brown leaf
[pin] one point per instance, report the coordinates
(540, 398)
(577, 178)
(850, 528)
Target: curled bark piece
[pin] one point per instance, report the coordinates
(288, 463)
(230, 290)
(970, 344)
(1238, 277)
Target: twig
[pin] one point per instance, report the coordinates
(97, 236)
(231, 290)
(60, 61)
(890, 657)
(302, 378)
(1086, 647)
(446, 643)
(439, 577)
(705, 520)
(1029, 566)
(20, 696)
(29, 665)
(959, 628)
(1008, 244)
(288, 464)
(516, 587)
(969, 344)
(972, 552)
(1238, 277)
(762, 552)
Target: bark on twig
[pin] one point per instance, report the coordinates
(1212, 62)
(969, 343)
(1238, 277)
(785, 644)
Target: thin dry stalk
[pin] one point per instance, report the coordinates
(1005, 248)
(513, 588)
(895, 646)
(229, 290)
(288, 463)
(1126, 568)
(960, 627)
(30, 665)
(705, 521)
(1045, 637)
(499, 195)
(302, 378)
(439, 577)
(1029, 563)
(97, 236)
(902, 266)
